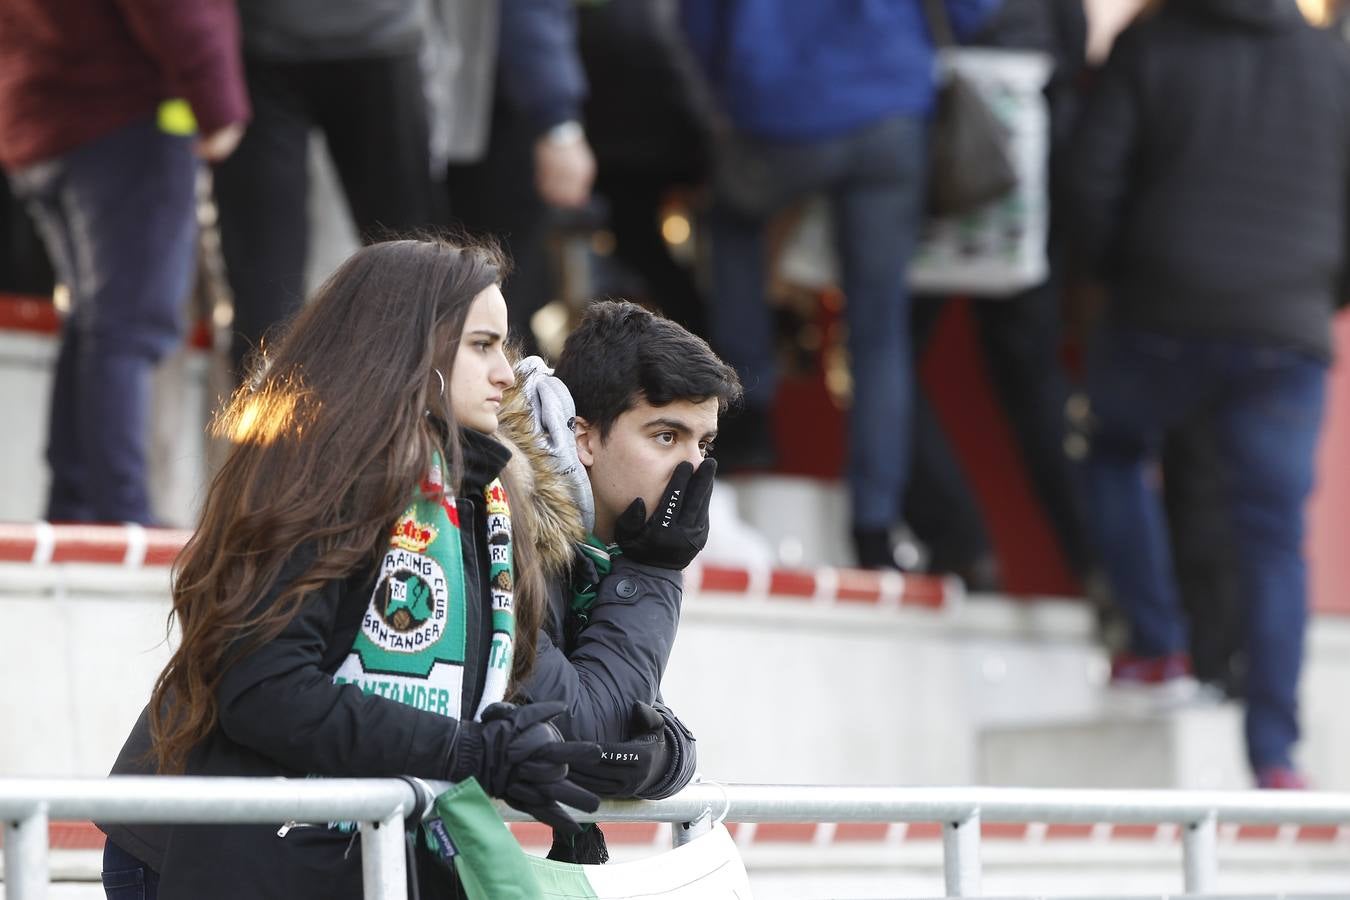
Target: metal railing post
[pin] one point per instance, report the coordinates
(961, 856)
(682, 833)
(26, 856)
(384, 868)
(1199, 846)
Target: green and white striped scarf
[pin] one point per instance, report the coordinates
(411, 645)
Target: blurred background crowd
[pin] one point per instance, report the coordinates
(1149, 298)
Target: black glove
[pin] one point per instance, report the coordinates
(677, 531)
(626, 768)
(518, 754)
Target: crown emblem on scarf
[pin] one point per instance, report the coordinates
(412, 535)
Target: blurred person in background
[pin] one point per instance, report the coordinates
(830, 98)
(1019, 337)
(1199, 531)
(97, 102)
(1207, 196)
(350, 69)
(24, 266)
(537, 159)
(1200, 539)
(650, 132)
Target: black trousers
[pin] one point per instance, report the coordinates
(1019, 338)
(496, 197)
(373, 115)
(1200, 528)
(24, 265)
(634, 197)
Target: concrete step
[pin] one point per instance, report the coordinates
(803, 521)
(1194, 747)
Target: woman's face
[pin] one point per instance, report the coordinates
(481, 371)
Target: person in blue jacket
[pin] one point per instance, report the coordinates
(832, 98)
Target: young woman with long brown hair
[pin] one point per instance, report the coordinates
(353, 602)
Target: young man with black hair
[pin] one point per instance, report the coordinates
(647, 395)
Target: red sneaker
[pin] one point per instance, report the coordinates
(1152, 684)
(1129, 669)
(1280, 778)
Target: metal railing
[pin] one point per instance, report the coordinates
(379, 805)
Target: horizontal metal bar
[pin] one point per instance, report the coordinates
(822, 803)
(195, 799)
(154, 798)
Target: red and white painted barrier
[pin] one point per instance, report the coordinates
(132, 546)
(534, 836)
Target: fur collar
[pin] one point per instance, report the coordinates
(552, 515)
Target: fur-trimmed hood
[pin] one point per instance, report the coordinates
(554, 518)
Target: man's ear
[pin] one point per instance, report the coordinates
(587, 441)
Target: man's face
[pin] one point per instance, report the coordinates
(643, 448)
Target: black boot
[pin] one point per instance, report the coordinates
(873, 548)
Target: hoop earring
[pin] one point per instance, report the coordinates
(441, 379)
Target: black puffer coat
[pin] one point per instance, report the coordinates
(1210, 171)
(282, 715)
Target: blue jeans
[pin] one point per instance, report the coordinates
(127, 878)
(1266, 407)
(874, 179)
(118, 217)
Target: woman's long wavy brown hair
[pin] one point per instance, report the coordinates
(330, 437)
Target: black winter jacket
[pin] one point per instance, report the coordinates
(618, 657)
(1208, 180)
(282, 715)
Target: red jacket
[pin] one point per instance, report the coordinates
(72, 71)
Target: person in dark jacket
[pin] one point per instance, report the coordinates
(350, 70)
(97, 144)
(357, 600)
(1019, 338)
(630, 417)
(538, 159)
(650, 130)
(620, 559)
(1207, 192)
(827, 98)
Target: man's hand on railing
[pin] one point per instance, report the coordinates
(626, 767)
(518, 754)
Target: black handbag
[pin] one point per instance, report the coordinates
(970, 153)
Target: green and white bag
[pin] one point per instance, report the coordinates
(492, 866)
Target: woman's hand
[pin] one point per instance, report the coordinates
(518, 754)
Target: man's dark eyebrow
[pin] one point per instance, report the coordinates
(677, 425)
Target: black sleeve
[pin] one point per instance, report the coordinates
(145, 842)
(619, 656)
(683, 760)
(279, 701)
(1096, 178)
